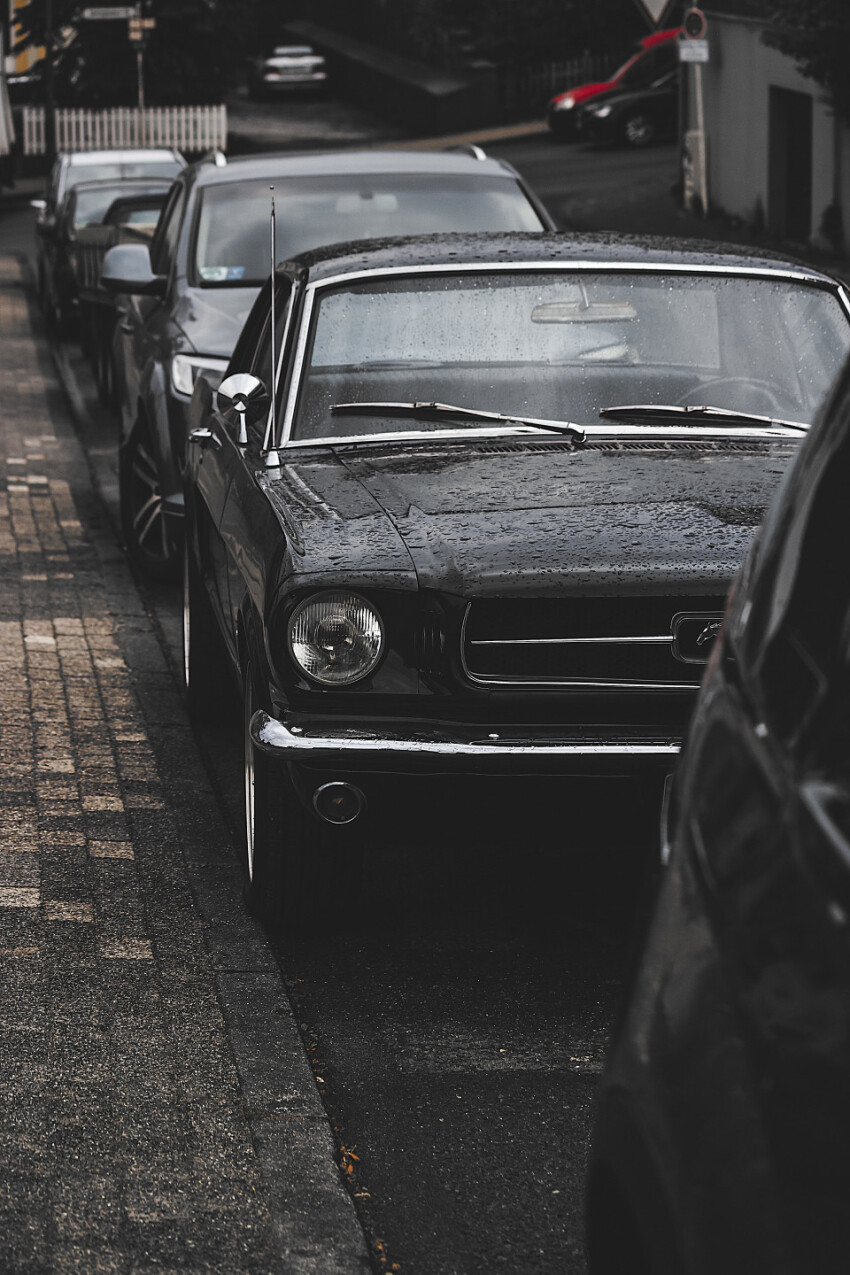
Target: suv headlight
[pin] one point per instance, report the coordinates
(186, 368)
(335, 638)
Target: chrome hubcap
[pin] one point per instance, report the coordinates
(148, 520)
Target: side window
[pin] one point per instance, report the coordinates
(262, 361)
(242, 359)
(53, 184)
(164, 246)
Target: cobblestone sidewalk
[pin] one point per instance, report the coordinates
(129, 1140)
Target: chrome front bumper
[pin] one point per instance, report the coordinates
(426, 749)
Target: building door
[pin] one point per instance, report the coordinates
(789, 213)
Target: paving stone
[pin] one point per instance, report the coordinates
(127, 1144)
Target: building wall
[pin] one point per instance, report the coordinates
(736, 86)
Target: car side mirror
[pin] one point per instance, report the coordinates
(247, 396)
(127, 269)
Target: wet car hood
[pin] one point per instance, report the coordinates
(513, 517)
(212, 318)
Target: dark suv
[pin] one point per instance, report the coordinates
(186, 300)
(723, 1119)
(70, 168)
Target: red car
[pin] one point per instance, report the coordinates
(655, 55)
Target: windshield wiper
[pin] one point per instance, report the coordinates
(674, 412)
(427, 410)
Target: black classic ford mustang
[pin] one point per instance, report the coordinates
(487, 519)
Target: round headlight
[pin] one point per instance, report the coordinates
(336, 638)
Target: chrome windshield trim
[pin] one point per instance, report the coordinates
(765, 271)
(426, 435)
(646, 433)
(522, 267)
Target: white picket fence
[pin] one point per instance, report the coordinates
(187, 128)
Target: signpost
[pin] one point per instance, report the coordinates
(110, 13)
(137, 29)
(693, 49)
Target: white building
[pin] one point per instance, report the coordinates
(776, 155)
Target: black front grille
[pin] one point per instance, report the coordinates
(624, 641)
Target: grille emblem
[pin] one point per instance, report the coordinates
(693, 636)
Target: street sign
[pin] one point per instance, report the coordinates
(694, 24)
(654, 10)
(115, 11)
(693, 50)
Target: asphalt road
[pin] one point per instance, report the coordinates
(456, 1024)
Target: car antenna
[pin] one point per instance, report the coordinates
(272, 458)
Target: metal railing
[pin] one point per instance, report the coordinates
(186, 128)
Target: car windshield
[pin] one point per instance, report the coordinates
(232, 243)
(92, 206)
(563, 346)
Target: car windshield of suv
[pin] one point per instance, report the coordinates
(563, 346)
(91, 207)
(232, 241)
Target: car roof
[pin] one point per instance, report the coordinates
(345, 163)
(497, 249)
(129, 155)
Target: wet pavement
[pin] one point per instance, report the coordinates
(143, 1129)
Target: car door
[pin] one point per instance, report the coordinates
(792, 917)
(217, 461)
(145, 329)
(249, 530)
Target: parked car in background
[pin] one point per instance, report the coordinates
(723, 1119)
(69, 169)
(189, 297)
(655, 56)
(471, 505)
(79, 223)
(290, 68)
(637, 117)
(131, 213)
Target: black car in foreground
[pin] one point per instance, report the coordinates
(185, 300)
(723, 1120)
(472, 505)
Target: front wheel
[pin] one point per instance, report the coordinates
(301, 874)
(148, 537)
(638, 130)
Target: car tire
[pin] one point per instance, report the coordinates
(301, 875)
(204, 670)
(148, 538)
(104, 373)
(638, 129)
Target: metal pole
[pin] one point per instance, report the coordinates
(272, 457)
(49, 89)
(703, 176)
